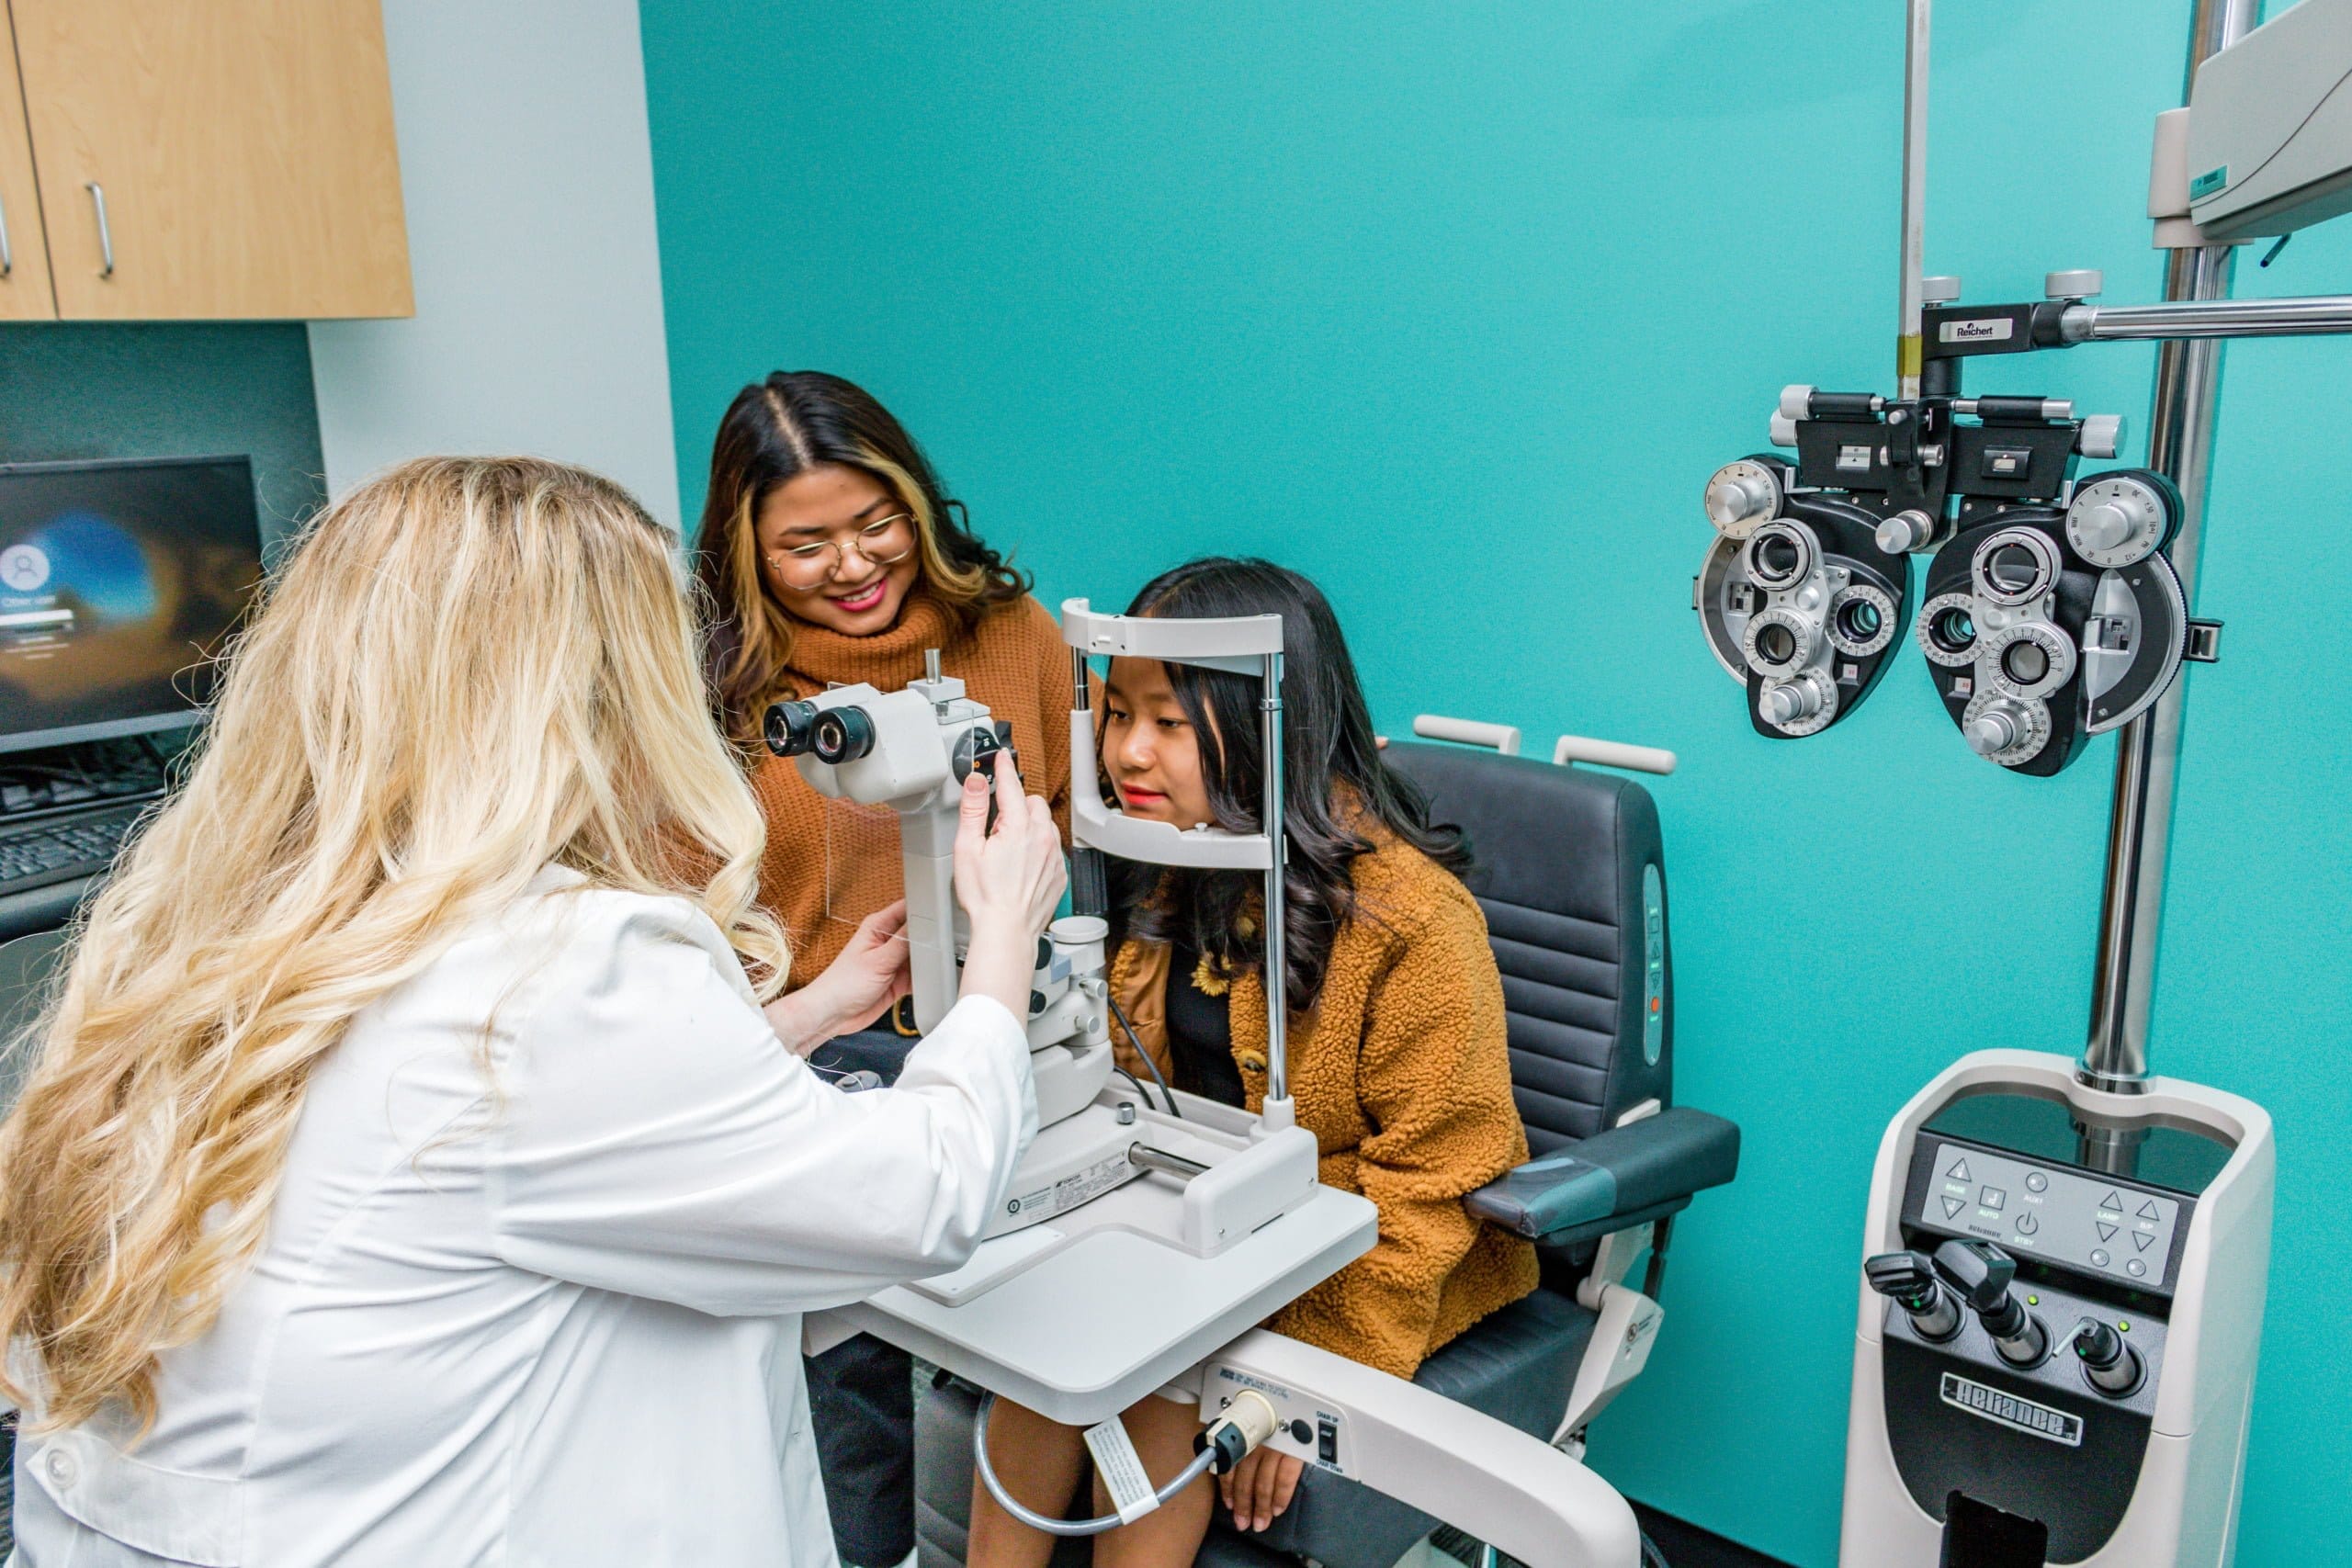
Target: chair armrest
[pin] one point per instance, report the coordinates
(1634, 1172)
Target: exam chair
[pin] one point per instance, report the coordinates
(1570, 873)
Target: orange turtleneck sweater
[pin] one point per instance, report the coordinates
(829, 862)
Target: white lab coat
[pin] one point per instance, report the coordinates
(547, 1316)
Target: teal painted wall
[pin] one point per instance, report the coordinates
(1455, 307)
(169, 389)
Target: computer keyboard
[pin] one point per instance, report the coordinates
(59, 849)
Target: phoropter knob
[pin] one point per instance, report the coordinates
(1905, 531)
(2101, 436)
(1741, 495)
(2001, 726)
(1790, 703)
(2105, 526)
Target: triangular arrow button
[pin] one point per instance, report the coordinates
(2140, 1240)
(2105, 1232)
(2113, 1200)
(1952, 1206)
(1959, 1171)
(2148, 1210)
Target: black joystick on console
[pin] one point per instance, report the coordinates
(1908, 1278)
(2114, 1367)
(1979, 1273)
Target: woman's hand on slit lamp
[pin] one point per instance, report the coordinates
(861, 985)
(1010, 882)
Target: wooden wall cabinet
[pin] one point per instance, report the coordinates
(218, 159)
(25, 293)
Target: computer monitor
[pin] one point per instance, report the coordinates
(118, 582)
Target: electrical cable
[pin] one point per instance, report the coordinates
(1141, 1093)
(1150, 1066)
(1037, 1521)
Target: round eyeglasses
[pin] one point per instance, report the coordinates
(885, 542)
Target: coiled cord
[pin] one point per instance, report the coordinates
(1037, 1521)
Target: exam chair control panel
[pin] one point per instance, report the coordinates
(2024, 1332)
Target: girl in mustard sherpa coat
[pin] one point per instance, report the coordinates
(1396, 1054)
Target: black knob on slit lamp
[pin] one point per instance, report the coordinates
(975, 751)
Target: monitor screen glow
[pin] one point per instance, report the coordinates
(119, 583)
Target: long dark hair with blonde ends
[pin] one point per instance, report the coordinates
(794, 420)
(468, 668)
(1336, 787)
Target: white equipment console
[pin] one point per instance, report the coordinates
(2104, 1422)
(2269, 143)
(1141, 1249)
(2066, 1260)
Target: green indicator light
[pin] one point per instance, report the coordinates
(2033, 1301)
(2122, 1325)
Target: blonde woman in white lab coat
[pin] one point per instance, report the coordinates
(409, 1174)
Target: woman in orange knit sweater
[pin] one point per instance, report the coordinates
(829, 554)
(1396, 1054)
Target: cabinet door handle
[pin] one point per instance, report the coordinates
(8, 258)
(106, 235)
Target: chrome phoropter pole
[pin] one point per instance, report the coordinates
(2307, 316)
(2180, 445)
(1270, 730)
(1909, 351)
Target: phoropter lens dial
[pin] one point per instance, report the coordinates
(1779, 642)
(2015, 566)
(1780, 555)
(1947, 629)
(2030, 657)
(1861, 619)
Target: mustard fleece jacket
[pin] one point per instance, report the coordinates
(1402, 1074)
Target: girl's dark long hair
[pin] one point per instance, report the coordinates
(794, 420)
(1334, 782)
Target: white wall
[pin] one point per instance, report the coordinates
(529, 185)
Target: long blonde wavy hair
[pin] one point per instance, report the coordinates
(469, 668)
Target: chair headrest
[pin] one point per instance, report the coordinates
(1559, 839)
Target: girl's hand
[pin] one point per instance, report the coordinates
(858, 987)
(1010, 882)
(1259, 1488)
